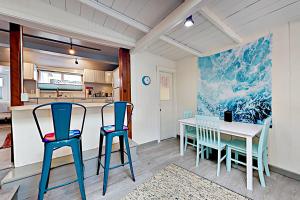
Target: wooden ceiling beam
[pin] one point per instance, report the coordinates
(216, 21)
(136, 24)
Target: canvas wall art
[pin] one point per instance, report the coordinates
(238, 80)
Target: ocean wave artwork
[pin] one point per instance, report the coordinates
(238, 80)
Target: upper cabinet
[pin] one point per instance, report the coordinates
(30, 71)
(96, 76)
(108, 77)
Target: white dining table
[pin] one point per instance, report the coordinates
(239, 129)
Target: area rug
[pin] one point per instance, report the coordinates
(7, 142)
(174, 182)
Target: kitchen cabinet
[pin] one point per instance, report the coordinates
(89, 76)
(97, 76)
(30, 71)
(108, 77)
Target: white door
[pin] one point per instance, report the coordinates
(167, 126)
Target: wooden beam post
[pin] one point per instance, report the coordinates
(125, 80)
(16, 63)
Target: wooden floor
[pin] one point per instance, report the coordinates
(153, 157)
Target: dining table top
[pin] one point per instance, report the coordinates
(231, 128)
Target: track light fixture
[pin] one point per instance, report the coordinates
(76, 61)
(189, 21)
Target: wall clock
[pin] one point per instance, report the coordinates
(146, 80)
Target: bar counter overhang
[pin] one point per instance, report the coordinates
(28, 147)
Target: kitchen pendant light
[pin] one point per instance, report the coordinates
(71, 50)
(189, 21)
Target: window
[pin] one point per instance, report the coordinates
(72, 79)
(59, 80)
(50, 77)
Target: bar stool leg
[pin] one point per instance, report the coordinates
(108, 146)
(129, 156)
(100, 153)
(45, 171)
(79, 167)
(121, 141)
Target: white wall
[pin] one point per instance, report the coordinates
(284, 148)
(145, 98)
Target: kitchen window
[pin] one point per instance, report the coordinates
(58, 80)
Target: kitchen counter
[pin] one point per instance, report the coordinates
(31, 107)
(28, 147)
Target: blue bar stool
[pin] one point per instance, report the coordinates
(110, 131)
(61, 137)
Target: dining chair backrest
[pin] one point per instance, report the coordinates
(120, 108)
(61, 118)
(208, 129)
(187, 114)
(264, 136)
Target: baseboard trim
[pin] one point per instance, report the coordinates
(284, 172)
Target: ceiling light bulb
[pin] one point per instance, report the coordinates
(71, 51)
(189, 21)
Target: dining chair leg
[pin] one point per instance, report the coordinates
(99, 153)
(197, 154)
(45, 171)
(185, 142)
(236, 157)
(207, 152)
(79, 167)
(108, 146)
(121, 141)
(219, 162)
(129, 156)
(261, 171)
(48, 176)
(228, 159)
(265, 159)
(202, 152)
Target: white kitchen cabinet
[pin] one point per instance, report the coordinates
(89, 76)
(99, 76)
(116, 79)
(108, 76)
(94, 76)
(30, 71)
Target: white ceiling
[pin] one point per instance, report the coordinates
(243, 17)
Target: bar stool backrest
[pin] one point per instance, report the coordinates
(120, 108)
(61, 117)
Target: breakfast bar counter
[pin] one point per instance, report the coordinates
(27, 145)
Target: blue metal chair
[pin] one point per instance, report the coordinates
(111, 131)
(61, 137)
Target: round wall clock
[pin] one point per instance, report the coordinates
(146, 80)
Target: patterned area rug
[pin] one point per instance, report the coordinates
(174, 182)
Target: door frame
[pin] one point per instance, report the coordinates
(174, 96)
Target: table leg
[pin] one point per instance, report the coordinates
(181, 138)
(249, 163)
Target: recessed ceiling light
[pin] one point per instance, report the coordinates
(189, 21)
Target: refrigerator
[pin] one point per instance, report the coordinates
(116, 85)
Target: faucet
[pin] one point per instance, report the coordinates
(57, 93)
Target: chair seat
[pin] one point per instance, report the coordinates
(214, 145)
(240, 146)
(111, 128)
(50, 137)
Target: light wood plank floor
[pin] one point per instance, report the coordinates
(153, 157)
